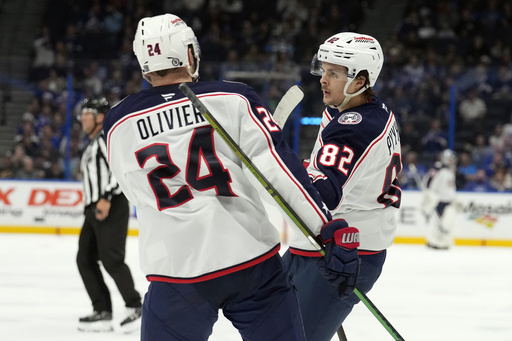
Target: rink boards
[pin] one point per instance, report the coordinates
(57, 207)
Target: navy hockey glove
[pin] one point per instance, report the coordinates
(340, 266)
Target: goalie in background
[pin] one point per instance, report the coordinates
(438, 206)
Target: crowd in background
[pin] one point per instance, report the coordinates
(437, 46)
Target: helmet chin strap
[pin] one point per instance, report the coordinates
(348, 96)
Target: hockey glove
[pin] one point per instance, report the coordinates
(340, 266)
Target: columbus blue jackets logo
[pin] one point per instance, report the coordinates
(350, 118)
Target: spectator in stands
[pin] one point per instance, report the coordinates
(44, 117)
(497, 139)
(466, 167)
(28, 171)
(507, 127)
(472, 110)
(54, 171)
(410, 138)
(30, 143)
(481, 152)
(480, 184)
(414, 70)
(435, 141)
(7, 167)
(501, 180)
(498, 161)
(44, 55)
(92, 83)
(17, 157)
(412, 172)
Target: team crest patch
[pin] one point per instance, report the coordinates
(350, 118)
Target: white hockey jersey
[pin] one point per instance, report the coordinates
(199, 208)
(439, 184)
(354, 165)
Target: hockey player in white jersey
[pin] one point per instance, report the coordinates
(438, 206)
(354, 165)
(206, 242)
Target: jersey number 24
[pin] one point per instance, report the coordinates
(201, 151)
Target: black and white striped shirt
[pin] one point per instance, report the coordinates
(97, 179)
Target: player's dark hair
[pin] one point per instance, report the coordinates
(369, 93)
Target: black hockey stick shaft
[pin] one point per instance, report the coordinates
(278, 198)
(341, 334)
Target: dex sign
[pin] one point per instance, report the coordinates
(32, 203)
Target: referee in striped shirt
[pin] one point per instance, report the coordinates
(105, 228)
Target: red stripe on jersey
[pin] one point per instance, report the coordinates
(322, 126)
(305, 253)
(216, 274)
(368, 253)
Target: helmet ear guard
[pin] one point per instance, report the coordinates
(162, 42)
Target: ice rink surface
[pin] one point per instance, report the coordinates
(461, 294)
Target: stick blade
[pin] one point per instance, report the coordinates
(287, 104)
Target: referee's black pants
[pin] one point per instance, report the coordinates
(105, 241)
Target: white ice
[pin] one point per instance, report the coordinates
(461, 294)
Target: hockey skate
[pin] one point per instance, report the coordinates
(132, 321)
(96, 322)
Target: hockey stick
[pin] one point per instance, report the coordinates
(341, 334)
(284, 108)
(287, 104)
(278, 198)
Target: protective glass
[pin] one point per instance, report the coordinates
(316, 66)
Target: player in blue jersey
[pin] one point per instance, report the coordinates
(354, 165)
(206, 242)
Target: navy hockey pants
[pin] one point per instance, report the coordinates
(322, 311)
(259, 301)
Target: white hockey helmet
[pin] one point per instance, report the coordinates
(161, 42)
(355, 51)
(448, 158)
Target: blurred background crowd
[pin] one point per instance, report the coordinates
(441, 57)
